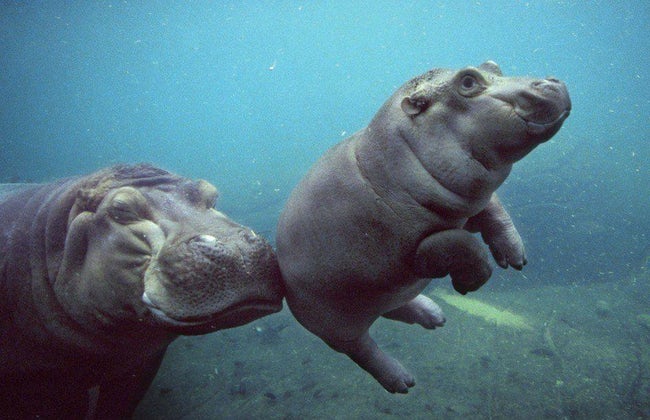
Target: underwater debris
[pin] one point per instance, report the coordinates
(543, 352)
(240, 389)
(485, 311)
(271, 396)
(269, 334)
(603, 309)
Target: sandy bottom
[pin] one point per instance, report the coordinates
(586, 355)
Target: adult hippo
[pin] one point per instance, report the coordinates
(392, 206)
(99, 274)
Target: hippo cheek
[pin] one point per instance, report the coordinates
(204, 284)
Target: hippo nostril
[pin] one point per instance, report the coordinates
(546, 87)
(553, 79)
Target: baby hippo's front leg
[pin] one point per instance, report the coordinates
(499, 233)
(455, 252)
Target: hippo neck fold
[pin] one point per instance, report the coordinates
(36, 241)
(393, 163)
(46, 217)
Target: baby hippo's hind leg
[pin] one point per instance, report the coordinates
(421, 310)
(387, 371)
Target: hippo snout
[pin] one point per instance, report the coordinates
(211, 282)
(543, 104)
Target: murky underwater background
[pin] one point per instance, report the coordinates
(249, 94)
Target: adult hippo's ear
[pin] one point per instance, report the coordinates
(416, 103)
(208, 193)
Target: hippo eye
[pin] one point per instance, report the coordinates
(122, 212)
(470, 84)
(126, 205)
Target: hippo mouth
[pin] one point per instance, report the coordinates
(537, 128)
(233, 316)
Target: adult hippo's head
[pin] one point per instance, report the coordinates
(148, 246)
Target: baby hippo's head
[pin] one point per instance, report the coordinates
(497, 120)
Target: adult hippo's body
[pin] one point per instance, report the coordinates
(393, 206)
(99, 274)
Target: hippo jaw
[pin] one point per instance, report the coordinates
(204, 284)
(234, 316)
(547, 129)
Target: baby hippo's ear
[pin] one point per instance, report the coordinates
(415, 104)
(491, 67)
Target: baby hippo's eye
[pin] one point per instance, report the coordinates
(468, 81)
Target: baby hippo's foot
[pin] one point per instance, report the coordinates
(499, 232)
(394, 377)
(421, 310)
(507, 248)
(387, 371)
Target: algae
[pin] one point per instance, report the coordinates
(485, 311)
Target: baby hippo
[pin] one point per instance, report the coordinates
(391, 207)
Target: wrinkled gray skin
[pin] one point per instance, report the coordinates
(99, 274)
(393, 206)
